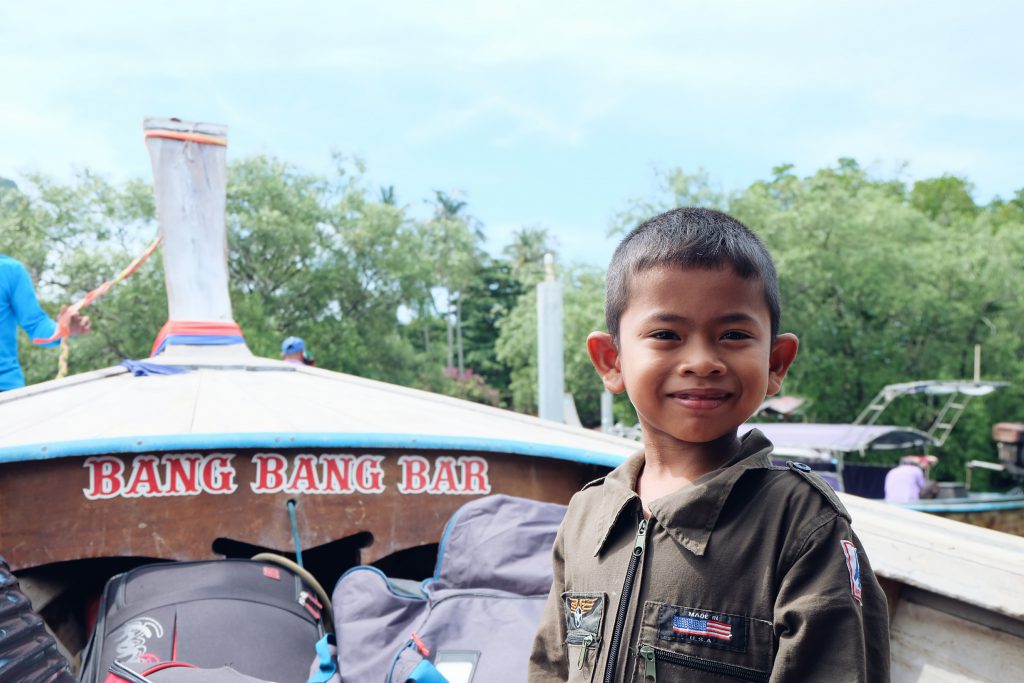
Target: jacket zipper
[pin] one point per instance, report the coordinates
(588, 640)
(650, 656)
(627, 593)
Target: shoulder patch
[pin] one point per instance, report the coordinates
(596, 482)
(853, 566)
(821, 485)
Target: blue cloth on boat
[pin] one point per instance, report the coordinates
(142, 368)
(18, 307)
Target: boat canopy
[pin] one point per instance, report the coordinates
(839, 438)
(939, 387)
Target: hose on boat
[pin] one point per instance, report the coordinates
(295, 532)
(303, 574)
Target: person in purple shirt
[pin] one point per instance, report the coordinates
(907, 481)
(19, 307)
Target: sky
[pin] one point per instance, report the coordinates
(535, 113)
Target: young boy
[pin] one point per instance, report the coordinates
(697, 559)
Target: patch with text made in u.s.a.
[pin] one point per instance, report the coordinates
(702, 627)
(583, 614)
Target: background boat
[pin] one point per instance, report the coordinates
(837, 452)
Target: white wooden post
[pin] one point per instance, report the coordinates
(550, 358)
(190, 182)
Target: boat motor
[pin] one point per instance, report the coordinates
(1009, 437)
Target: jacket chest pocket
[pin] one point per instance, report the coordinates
(693, 643)
(584, 620)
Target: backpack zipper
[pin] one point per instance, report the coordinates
(650, 656)
(627, 592)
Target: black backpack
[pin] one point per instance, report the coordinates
(258, 618)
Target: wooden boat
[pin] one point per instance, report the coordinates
(956, 610)
(234, 454)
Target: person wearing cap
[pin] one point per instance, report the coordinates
(293, 350)
(908, 481)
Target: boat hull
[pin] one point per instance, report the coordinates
(998, 512)
(176, 506)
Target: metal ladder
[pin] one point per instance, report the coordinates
(944, 422)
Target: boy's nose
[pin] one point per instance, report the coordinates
(702, 361)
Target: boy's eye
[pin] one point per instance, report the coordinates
(735, 335)
(664, 334)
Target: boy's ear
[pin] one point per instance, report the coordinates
(782, 356)
(605, 357)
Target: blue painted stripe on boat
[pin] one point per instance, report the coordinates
(322, 440)
(968, 506)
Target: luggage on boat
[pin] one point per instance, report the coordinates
(259, 618)
(473, 620)
(28, 653)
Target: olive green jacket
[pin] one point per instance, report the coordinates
(753, 573)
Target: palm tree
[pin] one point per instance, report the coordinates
(526, 252)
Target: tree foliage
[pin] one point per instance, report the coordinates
(885, 284)
(882, 281)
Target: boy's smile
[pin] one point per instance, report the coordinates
(695, 354)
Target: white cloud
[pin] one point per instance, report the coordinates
(799, 80)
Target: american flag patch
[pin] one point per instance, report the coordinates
(710, 628)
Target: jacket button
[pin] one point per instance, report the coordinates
(802, 466)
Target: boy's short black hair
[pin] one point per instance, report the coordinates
(689, 238)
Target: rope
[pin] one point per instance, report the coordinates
(310, 580)
(63, 330)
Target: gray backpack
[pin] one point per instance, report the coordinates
(476, 615)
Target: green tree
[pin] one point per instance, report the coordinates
(323, 259)
(583, 312)
(945, 200)
(885, 285)
(309, 255)
(489, 299)
(525, 253)
(452, 242)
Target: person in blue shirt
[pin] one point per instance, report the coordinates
(19, 306)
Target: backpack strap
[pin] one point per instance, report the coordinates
(425, 672)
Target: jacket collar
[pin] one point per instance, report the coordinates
(690, 514)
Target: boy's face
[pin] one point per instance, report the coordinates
(695, 353)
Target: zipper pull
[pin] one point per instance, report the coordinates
(641, 537)
(308, 601)
(587, 641)
(650, 666)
